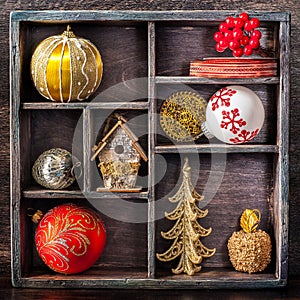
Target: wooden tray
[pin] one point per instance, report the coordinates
(156, 48)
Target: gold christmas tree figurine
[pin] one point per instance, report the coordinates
(186, 232)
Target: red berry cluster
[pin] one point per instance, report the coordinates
(239, 35)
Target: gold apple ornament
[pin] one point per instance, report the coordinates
(250, 249)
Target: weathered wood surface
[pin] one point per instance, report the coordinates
(202, 80)
(292, 292)
(295, 120)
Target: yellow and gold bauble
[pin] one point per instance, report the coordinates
(250, 249)
(66, 68)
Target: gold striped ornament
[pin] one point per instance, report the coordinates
(65, 68)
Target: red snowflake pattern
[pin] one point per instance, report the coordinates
(244, 136)
(223, 96)
(231, 119)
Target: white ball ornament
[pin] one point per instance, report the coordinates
(234, 115)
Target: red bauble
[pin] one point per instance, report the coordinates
(70, 239)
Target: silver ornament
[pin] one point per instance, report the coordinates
(54, 169)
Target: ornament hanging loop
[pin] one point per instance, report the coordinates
(257, 213)
(77, 165)
(36, 215)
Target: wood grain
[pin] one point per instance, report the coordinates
(295, 90)
(292, 292)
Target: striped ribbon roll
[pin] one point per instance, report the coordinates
(234, 67)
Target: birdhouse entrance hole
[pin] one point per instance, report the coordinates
(119, 149)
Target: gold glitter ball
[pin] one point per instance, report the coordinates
(181, 116)
(250, 252)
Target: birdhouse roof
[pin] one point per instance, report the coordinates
(122, 124)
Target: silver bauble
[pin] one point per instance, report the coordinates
(53, 169)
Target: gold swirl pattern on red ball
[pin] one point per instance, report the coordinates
(62, 232)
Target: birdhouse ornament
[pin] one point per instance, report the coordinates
(65, 68)
(119, 154)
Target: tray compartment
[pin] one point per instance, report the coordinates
(178, 43)
(216, 176)
(267, 94)
(122, 46)
(42, 130)
(123, 250)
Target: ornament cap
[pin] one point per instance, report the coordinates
(206, 131)
(68, 33)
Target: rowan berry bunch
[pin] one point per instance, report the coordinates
(239, 35)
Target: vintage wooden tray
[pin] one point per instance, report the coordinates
(146, 57)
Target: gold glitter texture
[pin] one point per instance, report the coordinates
(187, 231)
(250, 250)
(181, 116)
